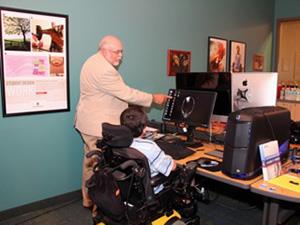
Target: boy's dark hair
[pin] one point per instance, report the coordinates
(135, 119)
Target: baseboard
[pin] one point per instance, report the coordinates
(14, 212)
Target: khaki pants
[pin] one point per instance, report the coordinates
(87, 166)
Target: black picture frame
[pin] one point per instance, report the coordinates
(34, 62)
(237, 59)
(217, 54)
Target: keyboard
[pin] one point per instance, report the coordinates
(176, 149)
(217, 153)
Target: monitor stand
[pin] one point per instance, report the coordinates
(191, 141)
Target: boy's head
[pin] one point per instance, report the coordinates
(135, 119)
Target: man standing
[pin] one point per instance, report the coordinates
(103, 97)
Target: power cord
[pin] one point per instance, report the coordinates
(205, 195)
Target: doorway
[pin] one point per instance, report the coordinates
(288, 50)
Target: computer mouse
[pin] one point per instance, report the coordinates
(207, 162)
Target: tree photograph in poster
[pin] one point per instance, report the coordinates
(34, 59)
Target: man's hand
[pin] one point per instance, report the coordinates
(160, 99)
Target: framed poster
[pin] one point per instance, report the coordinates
(34, 62)
(237, 56)
(178, 61)
(258, 62)
(217, 54)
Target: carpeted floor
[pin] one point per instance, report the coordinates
(226, 206)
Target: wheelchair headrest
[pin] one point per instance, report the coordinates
(117, 136)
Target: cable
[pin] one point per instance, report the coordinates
(128, 195)
(270, 125)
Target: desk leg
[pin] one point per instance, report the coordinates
(270, 212)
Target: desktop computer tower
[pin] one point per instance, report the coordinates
(248, 128)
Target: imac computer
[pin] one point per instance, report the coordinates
(190, 108)
(219, 82)
(253, 89)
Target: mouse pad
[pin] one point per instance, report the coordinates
(287, 181)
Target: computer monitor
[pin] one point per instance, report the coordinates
(219, 82)
(253, 89)
(192, 108)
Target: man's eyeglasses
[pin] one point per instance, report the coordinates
(117, 52)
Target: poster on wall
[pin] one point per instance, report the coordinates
(34, 62)
(237, 56)
(258, 62)
(178, 61)
(217, 54)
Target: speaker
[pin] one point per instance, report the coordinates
(236, 154)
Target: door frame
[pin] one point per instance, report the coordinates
(278, 24)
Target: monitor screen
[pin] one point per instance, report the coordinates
(191, 107)
(219, 82)
(253, 89)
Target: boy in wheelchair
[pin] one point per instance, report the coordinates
(136, 119)
(135, 183)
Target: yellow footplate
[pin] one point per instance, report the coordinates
(160, 221)
(164, 219)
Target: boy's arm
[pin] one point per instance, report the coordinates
(174, 165)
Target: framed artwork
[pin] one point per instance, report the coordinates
(34, 62)
(237, 56)
(217, 54)
(258, 62)
(178, 61)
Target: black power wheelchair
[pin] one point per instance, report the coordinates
(122, 189)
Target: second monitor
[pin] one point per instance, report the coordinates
(235, 90)
(210, 81)
(192, 108)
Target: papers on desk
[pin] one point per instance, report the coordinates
(152, 133)
(287, 181)
(270, 159)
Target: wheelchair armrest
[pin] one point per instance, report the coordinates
(128, 163)
(119, 176)
(157, 180)
(94, 152)
(160, 178)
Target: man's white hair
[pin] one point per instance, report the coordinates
(107, 41)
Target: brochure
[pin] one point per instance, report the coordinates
(270, 159)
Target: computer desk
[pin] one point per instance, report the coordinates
(218, 175)
(256, 185)
(274, 195)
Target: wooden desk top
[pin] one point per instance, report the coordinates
(274, 191)
(270, 190)
(218, 175)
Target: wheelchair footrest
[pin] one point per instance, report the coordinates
(164, 219)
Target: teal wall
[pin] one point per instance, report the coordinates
(287, 8)
(40, 155)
